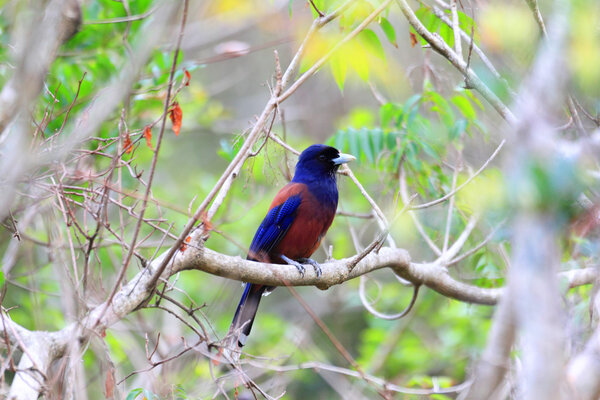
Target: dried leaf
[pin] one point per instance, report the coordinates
(206, 224)
(109, 383)
(176, 115)
(148, 136)
(188, 76)
(184, 245)
(413, 39)
(127, 145)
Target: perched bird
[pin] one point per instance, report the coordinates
(292, 230)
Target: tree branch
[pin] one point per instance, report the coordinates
(439, 45)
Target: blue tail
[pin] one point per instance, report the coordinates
(245, 313)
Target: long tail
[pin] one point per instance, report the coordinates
(245, 313)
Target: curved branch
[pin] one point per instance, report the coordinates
(372, 310)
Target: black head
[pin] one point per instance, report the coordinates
(319, 162)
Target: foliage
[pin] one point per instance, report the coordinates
(429, 127)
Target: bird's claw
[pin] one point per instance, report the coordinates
(296, 264)
(315, 265)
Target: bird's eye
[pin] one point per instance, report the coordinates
(322, 157)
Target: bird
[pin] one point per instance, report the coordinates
(294, 226)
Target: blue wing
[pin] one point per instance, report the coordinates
(275, 226)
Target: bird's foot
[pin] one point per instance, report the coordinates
(315, 265)
(296, 264)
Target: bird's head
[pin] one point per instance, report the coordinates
(319, 161)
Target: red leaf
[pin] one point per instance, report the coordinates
(184, 245)
(413, 39)
(176, 115)
(148, 136)
(127, 145)
(188, 76)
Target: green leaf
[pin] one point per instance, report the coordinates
(366, 145)
(370, 40)
(320, 4)
(465, 107)
(459, 127)
(228, 150)
(134, 393)
(429, 150)
(430, 20)
(465, 22)
(340, 141)
(353, 141)
(390, 141)
(438, 396)
(474, 98)
(389, 31)
(390, 112)
(412, 101)
(447, 34)
(290, 8)
(360, 65)
(338, 69)
(377, 140)
(442, 107)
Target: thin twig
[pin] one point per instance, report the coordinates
(453, 192)
(478, 247)
(363, 298)
(456, 29)
(379, 381)
(472, 80)
(154, 162)
(123, 19)
(405, 199)
(450, 211)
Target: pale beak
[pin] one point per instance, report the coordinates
(343, 159)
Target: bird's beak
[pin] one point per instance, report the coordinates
(343, 159)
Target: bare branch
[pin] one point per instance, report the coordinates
(369, 307)
(167, 104)
(60, 20)
(384, 384)
(439, 45)
(453, 192)
(456, 29)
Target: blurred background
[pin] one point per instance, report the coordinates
(385, 97)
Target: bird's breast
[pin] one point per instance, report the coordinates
(312, 221)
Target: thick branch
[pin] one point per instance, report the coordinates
(433, 275)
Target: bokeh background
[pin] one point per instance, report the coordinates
(385, 97)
